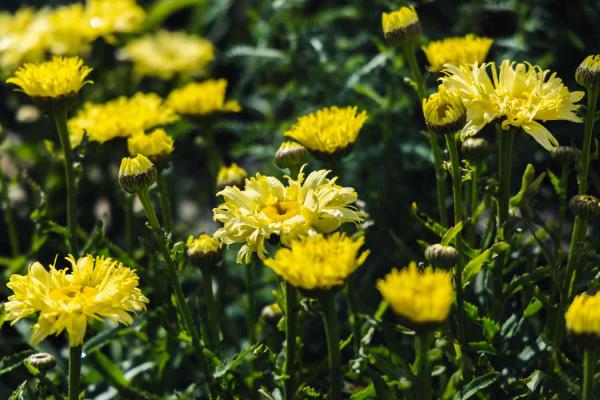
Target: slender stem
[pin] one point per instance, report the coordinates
(74, 371)
(48, 385)
(473, 201)
(333, 342)
(353, 315)
(590, 357)
(9, 218)
(291, 325)
(422, 385)
(212, 154)
(440, 179)
(165, 201)
(251, 320)
(180, 300)
(458, 216)
(214, 334)
(564, 185)
(60, 120)
(128, 208)
(505, 146)
(590, 118)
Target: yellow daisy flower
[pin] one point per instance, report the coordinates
(583, 315)
(95, 288)
(168, 54)
(204, 248)
(329, 131)
(422, 298)
(266, 207)
(136, 173)
(106, 17)
(444, 112)
(157, 145)
(468, 49)
(401, 27)
(588, 72)
(202, 98)
(319, 262)
(232, 175)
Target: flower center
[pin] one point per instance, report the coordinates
(68, 293)
(282, 210)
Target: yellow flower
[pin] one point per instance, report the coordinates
(319, 262)
(204, 248)
(70, 32)
(202, 98)
(583, 315)
(328, 131)
(444, 112)
(588, 72)
(266, 207)
(121, 117)
(423, 298)
(232, 175)
(156, 145)
(136, 173)
(518, 96)
(96, 288)
(457, 50)
(401, 27)
(168, 54)
(60, 77)
(106, 17)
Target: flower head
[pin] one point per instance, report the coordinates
(54, 79)
(233, 175)
(168, 54)
(421, 298)
(457, 51)
(401, 27)
(107, 17)
(444, 112)
(202, 98)
(95, 288)
(319, 262)
(291, 155)
(266, 207)
(588, 72)
(136, 173)
(583, 315)
(204, 248)
(121, 117)
(519, 95)
(329, 131)
(157, 145)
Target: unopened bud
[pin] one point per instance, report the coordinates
(585, 205)
(441, 256)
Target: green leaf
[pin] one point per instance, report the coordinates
(476, 385)
(162, 9)
(490, 327)
(533, 307)
(13, 361)
(109, 370)
(235, 361)
(451, 233)
(427, 221)
(474, 266)
(529, 186)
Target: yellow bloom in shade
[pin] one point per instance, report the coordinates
(401, 27)
(60, 77)
(457, 50)
(444, 112)
(204, 248)
(232, 175)
(95, 288)
(588, 72)
(519, 95)
(328, 131)
(319, 262)
(156, 145)
(136, 173)
(121, 117)
(202, 98)
(168, 54)
(266, 207)
(106, 17)
(583, 315)
(422, 298)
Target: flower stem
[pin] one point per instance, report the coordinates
(214, 334)
(74, 371)
(60, 120)
(440, 179)
(473, 201)
(251, 320)
(505, 147)
(165, 201)
(291, 324)
(128, 210)
(9, 218)
(333, 342)
(590, 357)
(422, 385)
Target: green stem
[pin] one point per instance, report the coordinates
(423, 383)
(590, 118)
(505, 147)
(250, 287)
(564, 186)
(440, 179)
(180, 300)
(291, 325)
(590, 357)
(165, 201)
(353, 316)
(333, 342)
(48, 385)
(128, 223)
(9, 218)
(74, 371)
(60, 120)
(473, 202)
(214, 334)
(212, 154)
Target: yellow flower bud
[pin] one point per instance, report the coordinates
(136, 173)
(401, 27)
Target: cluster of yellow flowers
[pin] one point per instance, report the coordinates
(231, 175)
(28, 35)
(465, 50)
(201, 98)
(168, 54)
(156, 145)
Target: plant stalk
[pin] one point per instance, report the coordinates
(74, 372)
(333, 342)
(423, 376)
(214, 334)
(291, 325)
(590, 357)
(165, 201)
(9, 218)
(251, 320)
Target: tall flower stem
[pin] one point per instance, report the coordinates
(333, 343)
(74, 372)
(580, 225)
(60, 120)
(128, 210)
(251, 317)
(473, 201)
(440, 180)
(214, 333)
(505, 150)
(458, 216)
(9, 218)
(180, 300)
(165, 201)
(590, 357)
(422, 385)
(291, 325)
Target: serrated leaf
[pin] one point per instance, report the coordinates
(235, 361)
(474, 266)
(533, 307)
(476, 385)
(451, 233)
(13, 361)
